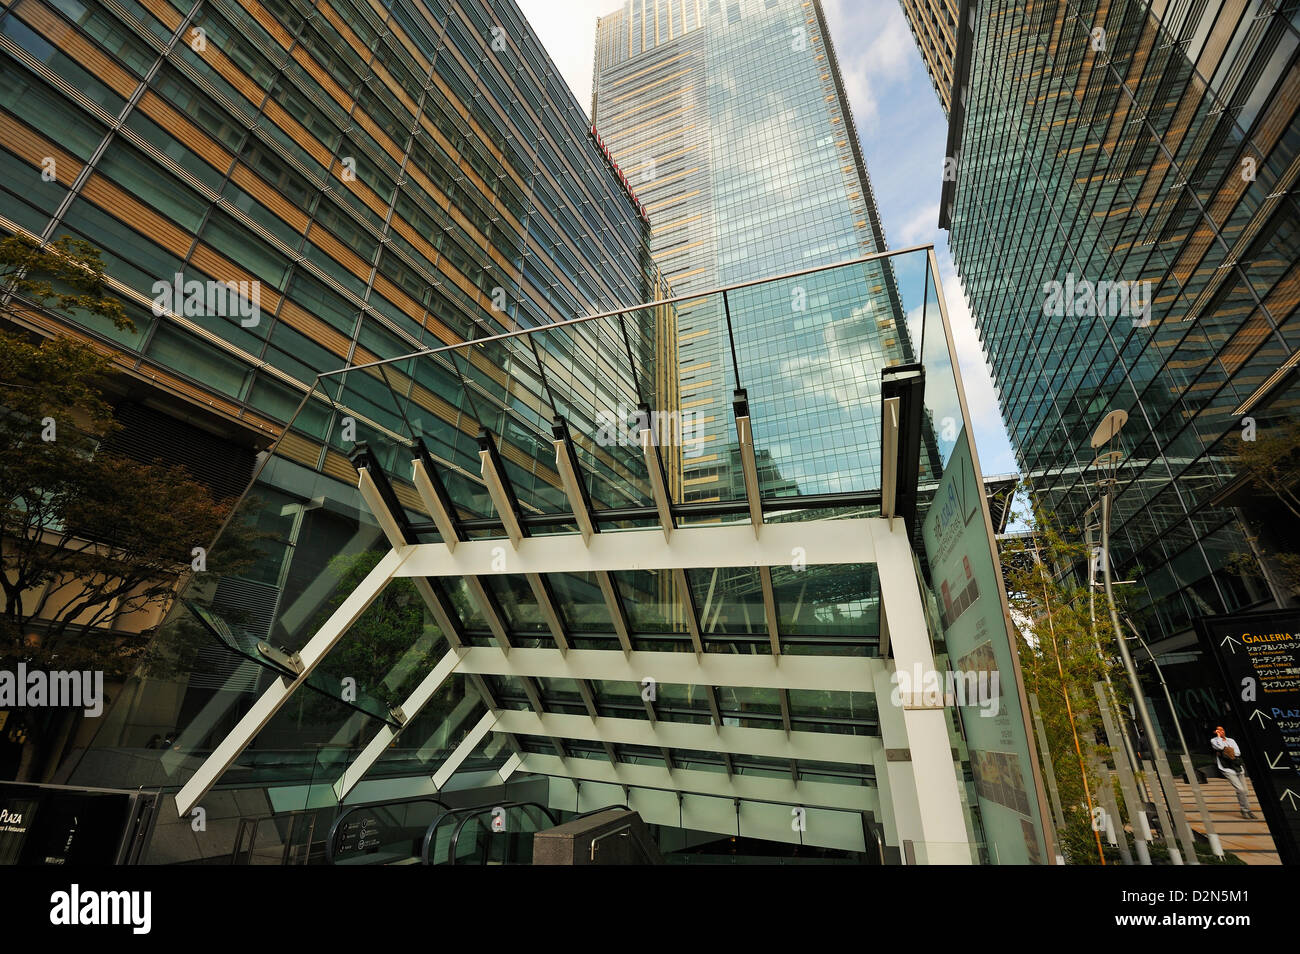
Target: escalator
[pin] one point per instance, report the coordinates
(387, 833)
(500, 834)
(427, 831)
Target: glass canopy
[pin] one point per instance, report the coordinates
(581, 430)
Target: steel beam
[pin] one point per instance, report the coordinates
(282, 687)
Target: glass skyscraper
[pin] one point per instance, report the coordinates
(467, 594)
(1155, 145)
(730, 122)
(395, 176)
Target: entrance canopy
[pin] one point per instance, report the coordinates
(540, 554)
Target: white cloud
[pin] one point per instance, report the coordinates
(981, 396)
(869, 67)
(920, 227)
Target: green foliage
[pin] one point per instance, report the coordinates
(85, 535)
(1062, 655)
(67, 275)
(391, 645)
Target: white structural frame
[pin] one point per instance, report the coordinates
(919, 790)
(917, 797)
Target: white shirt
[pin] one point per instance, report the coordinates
(1219, 745)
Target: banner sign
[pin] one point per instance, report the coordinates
(1258, 657)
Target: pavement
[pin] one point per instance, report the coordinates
(1246, 838)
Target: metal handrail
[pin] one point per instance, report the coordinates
(472, 814)
(329, 841)
(690, 296)
(606, 834)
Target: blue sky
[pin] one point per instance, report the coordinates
(902, 129)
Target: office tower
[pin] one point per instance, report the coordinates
(731, 124)
(468, 594)
(384, 177)
(394, 177)
(1152, 148)
(934, 28)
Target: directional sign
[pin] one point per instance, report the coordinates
(1258, 656)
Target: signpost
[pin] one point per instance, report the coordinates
(1258, 656)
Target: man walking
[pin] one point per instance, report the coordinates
(1227, 755)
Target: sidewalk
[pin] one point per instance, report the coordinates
(1248, 839)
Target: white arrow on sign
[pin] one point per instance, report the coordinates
(1261, 715)
(1272, 763)
(1231, 643)
(1292, 795)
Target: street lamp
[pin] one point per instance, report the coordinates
(1106, 432)
(1215, 845)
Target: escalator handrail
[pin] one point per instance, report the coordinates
(470, 810)
(455, 838)
(329, 841)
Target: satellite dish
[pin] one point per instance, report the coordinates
(1110, 425)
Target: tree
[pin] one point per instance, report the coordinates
(1062, 657)
(387, 651)
(87, 536)
(67, 276)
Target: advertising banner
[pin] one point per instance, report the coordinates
(964, 584)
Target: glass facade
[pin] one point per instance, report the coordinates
(394, 176)
(323, 537)
(417, 200)
(730, 122)
(1153, 147)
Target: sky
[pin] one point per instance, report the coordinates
(902, 130)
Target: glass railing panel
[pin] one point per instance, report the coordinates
(433, 733)
(961, 585)
(581, 605)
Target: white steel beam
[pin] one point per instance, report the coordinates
(839, 673)
(704, 547)
(573, 490)
(727, 739)
(654, 466)
(445, 521)
(769, 608)
(918, 768)
(282, 687)
(378, 509)
(508, 769)
(688, 604)
(854, 798)
(411, 707)
(464, 750)
(487, 606)
(549, 613)
(889, 458)
(614, 605)
(450, 627)
(500, 499)
(749, 470)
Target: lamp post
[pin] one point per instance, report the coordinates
(1107, 431)
(1215, 845)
